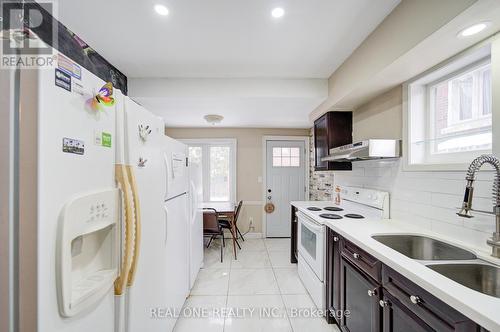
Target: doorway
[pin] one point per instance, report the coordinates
(285, 180)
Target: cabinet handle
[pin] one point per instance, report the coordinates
(384, 303)
(335, 239)
(356, 255)
(372, 292)
(415, 299)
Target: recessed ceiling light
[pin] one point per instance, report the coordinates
(278, 12)
(161, 10)
(472, 30)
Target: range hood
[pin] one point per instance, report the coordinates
(366, 150)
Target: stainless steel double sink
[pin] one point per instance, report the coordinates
(458, 264)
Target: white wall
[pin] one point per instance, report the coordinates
(249, 164)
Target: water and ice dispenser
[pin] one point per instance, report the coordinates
(87, 250)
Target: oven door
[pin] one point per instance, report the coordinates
(311, 239)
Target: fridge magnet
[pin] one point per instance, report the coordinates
(103, 98)
(75, 146)
(106, 139)
(144, 132)
(62, 80)
(68, 66)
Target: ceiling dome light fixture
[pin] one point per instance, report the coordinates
(161, 10)
(278, 12)
(213, 118)
(473, 29)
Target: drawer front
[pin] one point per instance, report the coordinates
(434, 312)
(360, 258)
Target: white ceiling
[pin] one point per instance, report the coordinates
(225, 38)
(276, 103)
(237, 112)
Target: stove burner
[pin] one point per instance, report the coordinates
(313, 208)
(330, 216)
(353, 216)
(333, 208)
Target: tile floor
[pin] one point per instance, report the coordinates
(261, 291)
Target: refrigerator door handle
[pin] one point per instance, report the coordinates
(167, 173)
(137, 226)
(194, 201)
(166, 223)
(124, 185)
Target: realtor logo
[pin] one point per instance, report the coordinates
(28, 34)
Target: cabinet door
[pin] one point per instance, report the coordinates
(321, 143)
(431, 310)
(332, 276)
(397, 318)
(359, 300)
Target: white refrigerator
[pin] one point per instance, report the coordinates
(195, 221)
(150, 293)
(104, 224)
(176, 211)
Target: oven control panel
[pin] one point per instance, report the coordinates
(374, 198)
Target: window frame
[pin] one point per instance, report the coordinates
(205, 144)
(476, 56)
(447, 158)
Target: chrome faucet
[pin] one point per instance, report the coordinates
(466, 209)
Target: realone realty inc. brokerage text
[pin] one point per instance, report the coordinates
(263, 312)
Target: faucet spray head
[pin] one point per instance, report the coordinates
(465, 211)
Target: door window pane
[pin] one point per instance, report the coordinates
(219, 173)
(286, 157)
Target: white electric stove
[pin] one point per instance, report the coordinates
(357, 205)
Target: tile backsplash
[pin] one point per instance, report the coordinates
(426, 199)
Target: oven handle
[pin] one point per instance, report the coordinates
(310, 224)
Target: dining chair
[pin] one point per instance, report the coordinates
(212, 228)
(226, 224)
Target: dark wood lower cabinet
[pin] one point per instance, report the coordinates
(332, 278)
(293, 235)
(435, 313)
(359, 300)
(367, 296)
(397, 318)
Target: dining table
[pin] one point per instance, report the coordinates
(225, 210)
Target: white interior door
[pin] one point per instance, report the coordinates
(285, 179)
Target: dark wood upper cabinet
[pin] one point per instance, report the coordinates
(331, 130)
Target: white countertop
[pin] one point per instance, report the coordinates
(481, 308)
